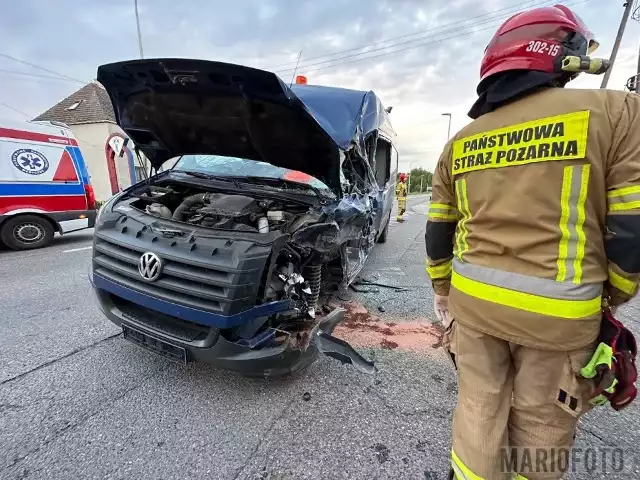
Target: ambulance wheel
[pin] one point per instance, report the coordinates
(26, 232)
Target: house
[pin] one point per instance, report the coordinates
(108, 152)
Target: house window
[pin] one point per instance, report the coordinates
(74, 106)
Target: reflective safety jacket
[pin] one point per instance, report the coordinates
(401, 189)
(535, 216)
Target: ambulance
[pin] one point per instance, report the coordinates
(44, 184)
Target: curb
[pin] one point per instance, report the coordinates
(421, 208)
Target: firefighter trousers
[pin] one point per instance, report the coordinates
(517, 408)
(402, 207)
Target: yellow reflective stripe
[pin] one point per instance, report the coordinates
(463, 207)
(552, 307)
(572, 242)
(621, 207)
(564, 219)
(541, 287)
(582, 199)
(443, 216)
(621, 283)
(621, 192)
(439, 271)
(462, 471)
(443, 206)
(443, 211)
(623, 199)
(517, 476)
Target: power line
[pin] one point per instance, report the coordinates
(457, 27)
(41, 68)
(636, 11)
(29, 117)
(430, 42)
(420, 32)
(426, 41)
(15, 109)
(36, 75)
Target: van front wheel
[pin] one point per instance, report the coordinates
(27, 232)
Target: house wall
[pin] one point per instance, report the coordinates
(92, 139)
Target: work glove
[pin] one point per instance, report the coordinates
(613, 365)
(441, 308)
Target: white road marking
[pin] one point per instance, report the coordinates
(77, 249)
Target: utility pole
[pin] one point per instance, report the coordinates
(638, 69)
(632, 82)
(135, 3)
(448, 129)
(616, 45)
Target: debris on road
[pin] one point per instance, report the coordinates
(306, 396)
(362, 281)
(356, 288)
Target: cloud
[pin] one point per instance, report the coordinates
(430, 68)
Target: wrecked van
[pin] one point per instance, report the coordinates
(275, 196)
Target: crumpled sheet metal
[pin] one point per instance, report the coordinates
(344, 221)
(349, 118)
(348, 231)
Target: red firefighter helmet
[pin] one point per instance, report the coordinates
(403, 177)
(538, 39)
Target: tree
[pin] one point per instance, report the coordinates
(420, 180)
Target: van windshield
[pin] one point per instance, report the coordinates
(241, 167)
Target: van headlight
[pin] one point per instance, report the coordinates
(106, 206)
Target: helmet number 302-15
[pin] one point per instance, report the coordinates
(544, 48)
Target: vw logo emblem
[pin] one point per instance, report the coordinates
(150, 266)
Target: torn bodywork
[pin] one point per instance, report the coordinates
(275, 200)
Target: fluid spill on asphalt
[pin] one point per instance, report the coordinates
(363, 329)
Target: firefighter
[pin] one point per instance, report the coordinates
(534, 223)
(401, 194)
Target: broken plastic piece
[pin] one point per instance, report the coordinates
(336, 348)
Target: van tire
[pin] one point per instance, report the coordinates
(26, 232)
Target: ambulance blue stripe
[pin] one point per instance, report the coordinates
(188, 313)
(78, 161)
(46, 188)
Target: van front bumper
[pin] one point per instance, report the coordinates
(185, 341)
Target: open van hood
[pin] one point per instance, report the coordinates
(172, 107)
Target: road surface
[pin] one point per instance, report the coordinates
(77, 401)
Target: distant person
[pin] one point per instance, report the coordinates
(401, 194)
(533, 240)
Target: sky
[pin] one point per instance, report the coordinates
(420, 56)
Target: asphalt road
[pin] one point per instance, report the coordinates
(77, 401)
